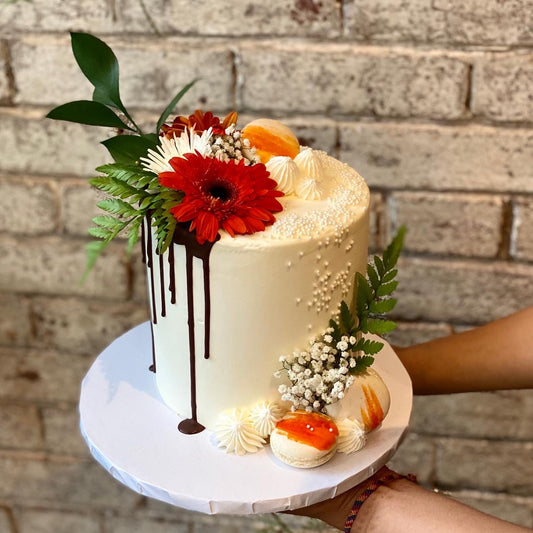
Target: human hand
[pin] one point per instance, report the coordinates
(341, 510)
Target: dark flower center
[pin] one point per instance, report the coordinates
(221, 191)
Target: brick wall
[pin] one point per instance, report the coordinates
(431, 100)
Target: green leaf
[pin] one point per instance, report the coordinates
(117, 188)
(393, 250)
(147, 203)
(110, 222)
(152, 137)
(379, 326)
(372, 276)
(365, 361)
(133, 233)
(117, 207)
(347, 320)
(380, 307)
(173, 104)
(336, 334)
(100, 233)
(379, 265)
(128, 148)
(133, 174)
(389, 276)
(368, 346)
(362, 363)
(93, 250)
(102, 98)
(364, 293)
(99, 65)
(386, 289)
(87, 112)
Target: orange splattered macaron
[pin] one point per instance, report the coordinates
(304, 440)
(271, 138)
(366, 400)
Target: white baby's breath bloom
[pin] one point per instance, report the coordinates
(188, 142)
(342, 345)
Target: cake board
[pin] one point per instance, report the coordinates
(132, 433)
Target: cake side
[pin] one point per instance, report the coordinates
(269, 293)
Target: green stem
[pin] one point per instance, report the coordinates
(128, 116)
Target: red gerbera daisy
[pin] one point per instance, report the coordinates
(200, 121)
(217, 194)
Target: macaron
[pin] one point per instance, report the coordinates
(304, 440)
(366, 400)
(271, 138)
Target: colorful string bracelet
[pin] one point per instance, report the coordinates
(382, 477)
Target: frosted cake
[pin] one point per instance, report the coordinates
(255, 248)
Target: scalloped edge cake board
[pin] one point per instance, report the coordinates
(132, 433)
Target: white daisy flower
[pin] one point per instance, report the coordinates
(188, 142)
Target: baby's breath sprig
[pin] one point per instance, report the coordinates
(321, 375)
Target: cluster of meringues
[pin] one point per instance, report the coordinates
(298, 171)
(308, 439)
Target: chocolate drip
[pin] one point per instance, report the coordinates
(207, 309)
(190, 426)
(192, 249)
(152, 366)
(162, 285)
(201, 251)
(172, 283)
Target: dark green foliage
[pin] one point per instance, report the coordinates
(88, 112)
(133, 192)
(372, 303)
(134, 196)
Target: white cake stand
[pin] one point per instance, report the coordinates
(133, 434)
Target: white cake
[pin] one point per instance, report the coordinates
(270, 292)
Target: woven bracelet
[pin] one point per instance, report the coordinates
(373, 485)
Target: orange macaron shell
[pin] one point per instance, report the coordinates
(304, 440)
(271, 138)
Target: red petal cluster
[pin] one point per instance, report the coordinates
(200, 121)
(238, 198)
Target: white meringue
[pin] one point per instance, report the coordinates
(285, 172)
(352, 435)
(234, 431)
(264, 416)
(310, 164)
(309, 189)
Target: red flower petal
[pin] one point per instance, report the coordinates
(234, 224)
(241, 199)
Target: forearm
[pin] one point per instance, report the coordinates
(404, 507)
(496, 356)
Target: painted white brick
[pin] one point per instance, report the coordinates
(488, 22)
(424, 156)
(239, 17)
(355, 80)
(461, 291)
(149, 73)
(28, 206)
(449, 224)
(52, 265)
(502, 86)
(521, 242)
